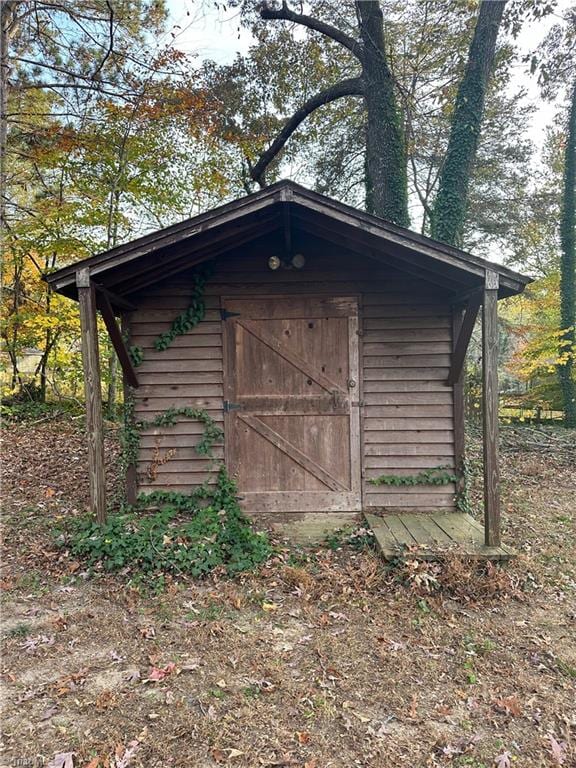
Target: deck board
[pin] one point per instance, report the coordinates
(429, 535)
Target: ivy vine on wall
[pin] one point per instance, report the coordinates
(434, 476)
(133, 427)
(190, 318)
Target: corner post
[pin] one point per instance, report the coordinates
(131, 480)
(458, 399)
(490, 410)
(91, 362)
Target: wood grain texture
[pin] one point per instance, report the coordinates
(408, 412)
(188, 374)
(490, 411)
(401, 409)
(93, 393)
(288, 374)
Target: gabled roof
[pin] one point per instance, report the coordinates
(167, 251)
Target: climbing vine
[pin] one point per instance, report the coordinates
(190, 318)
(435, 476)
(133, 428)
(136, 355)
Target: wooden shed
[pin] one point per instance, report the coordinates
(330, 351)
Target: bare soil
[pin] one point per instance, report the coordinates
(323, 658)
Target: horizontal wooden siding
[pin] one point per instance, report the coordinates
(405, 347)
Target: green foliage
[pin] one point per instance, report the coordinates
(213, 536)
(450, 206)
(435, 476)
(136, 355)
(189, 319)
(133, 428)
(212, 432)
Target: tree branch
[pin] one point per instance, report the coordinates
(351, 87)
(285, 14)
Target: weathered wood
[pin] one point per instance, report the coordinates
(120, 302)
(490, 410)
(115, 335)
(458, 399)
(91, 362)
(463, 338)
(433, 535)
(289, 374)
(130, 480)
(293, 452)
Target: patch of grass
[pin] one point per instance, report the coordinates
(31, 582)
(566, 669)
(19, 631)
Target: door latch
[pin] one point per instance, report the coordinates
(228, 406)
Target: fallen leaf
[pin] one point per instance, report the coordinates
(509, 705)
(50, 712)
(62, 760)
(156, 674)
(303, 737)
(503, 760)
(557, 749)
(235, 753)
(269, 607)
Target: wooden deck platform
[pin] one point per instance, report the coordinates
(430, 535)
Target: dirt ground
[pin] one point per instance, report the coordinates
(323, 658)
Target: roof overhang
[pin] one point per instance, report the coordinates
(123, 270)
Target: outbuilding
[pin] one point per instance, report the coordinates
(326, 343)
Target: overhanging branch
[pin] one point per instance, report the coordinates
(352, 87)
(285, 14)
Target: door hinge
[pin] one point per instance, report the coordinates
(225, 314)
(228, 406)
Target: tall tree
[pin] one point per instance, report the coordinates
(385, 161)
(555, 63)
(449, 213)
(566, 366)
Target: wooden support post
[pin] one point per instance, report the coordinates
(490, 410)
(462, 340)
(116, 338)
(131, 480)
(458, 395)
(90, 359)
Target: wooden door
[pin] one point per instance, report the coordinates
(291, 389)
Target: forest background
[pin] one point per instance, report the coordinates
(125, 116)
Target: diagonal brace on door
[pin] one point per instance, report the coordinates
(292, 357)
(292, 452)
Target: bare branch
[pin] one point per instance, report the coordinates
(285, 14)
(352, 87)
(111, 43)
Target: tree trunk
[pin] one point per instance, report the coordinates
(5, 18)
(386, 176)
(449, 213)
(568, 271)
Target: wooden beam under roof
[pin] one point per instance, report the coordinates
(464, 336)
(188, 260)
